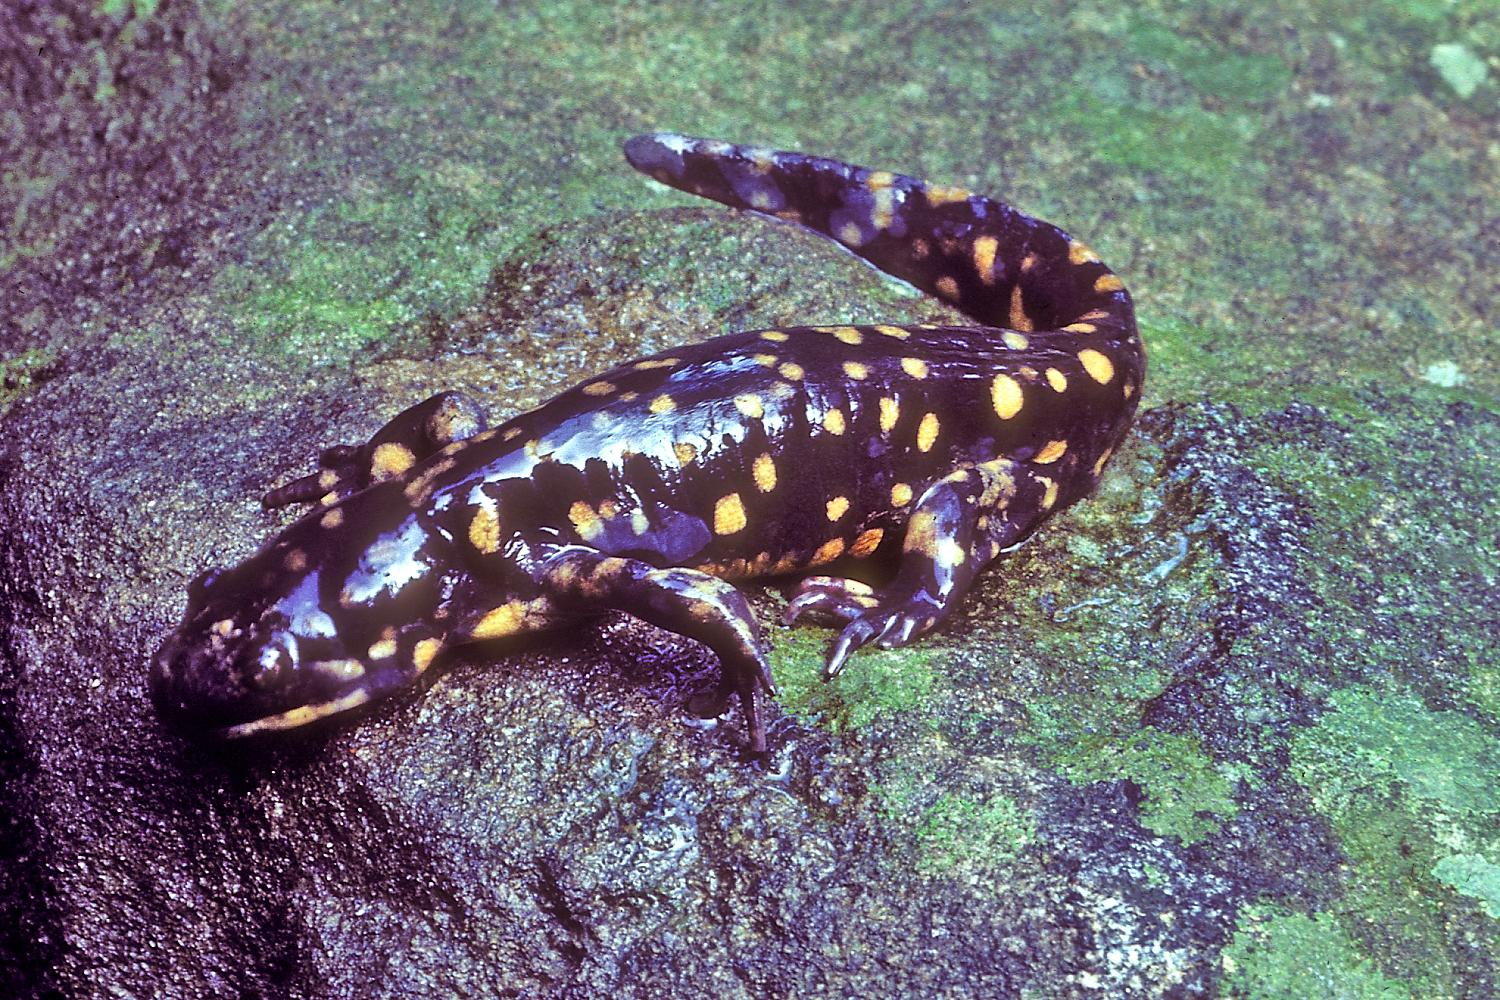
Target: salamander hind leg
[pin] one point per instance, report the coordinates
(957, 527)
(580, 580)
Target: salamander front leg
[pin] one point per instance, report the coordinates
(685, 601)
(412, 435)
(961, 523)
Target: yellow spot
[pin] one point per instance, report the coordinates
(511, 433)
(1015, 341)
(1080, 254)
(339, 671)
(507, 619)
(791, 371)
(1099, 465)
(598, 388)
(1096, 314)
(828, 552)
(1081, 328)
(1108, 283)
(850, 235)
(1051, 452)
(1018, 317)
(651, 363)
(947, 288)
(1006, 396)
(867, 542)
(879, 179)
(749, 405)
(837, 508)
(921, 533)
(984, 258)
(900, 495)
(915, 367)
(885, 207)
(663, 404)
(1099, 367)
(763, 471)
(833, 421)
(941, 194)
(1129, 388)
(331, 520)
(390, 460)
(685, 451)
(639, 522)
(1028, 262)
(424, 652)
(383, 648)
(893, 331)
(586, 520)
(856, 371)
(848, 335)
(484, 531)
(295, 560)
(1057, 380)
(927, 432)
(764, 360)
(729, 515)
(889, 413)
(1049, 497)
(775, 336)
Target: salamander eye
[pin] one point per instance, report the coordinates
(275, 663)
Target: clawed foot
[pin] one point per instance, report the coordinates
(887, 621)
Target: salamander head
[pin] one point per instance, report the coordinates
(255, 652)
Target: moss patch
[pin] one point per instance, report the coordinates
(1186, 795)
(1278, 956)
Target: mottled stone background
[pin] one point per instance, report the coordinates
(1229, 729)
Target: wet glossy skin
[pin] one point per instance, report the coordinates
(648, 488)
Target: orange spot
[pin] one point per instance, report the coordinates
(941, 194)
(927, 432)
(1099, 367)
(1051, 452)
(828, 552)
(1018, 318)
(1080, 254)
(763, 471)
(984, 258)
(867, 542)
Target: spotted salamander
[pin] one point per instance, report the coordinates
(649, 488)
